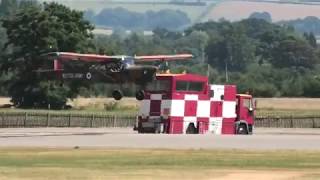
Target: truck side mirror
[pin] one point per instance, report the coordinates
(250, 110)
(250, 106)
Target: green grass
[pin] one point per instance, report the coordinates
(287, 113)
(135, 163)
(273, 107)
(137, 159)
(104, 107)
(134, 111)
(124, 112)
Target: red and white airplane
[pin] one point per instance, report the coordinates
(108, 69)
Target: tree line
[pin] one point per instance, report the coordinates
(123, 18)
(309, 24)
(269, 60)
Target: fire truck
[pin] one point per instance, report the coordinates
(188, 104)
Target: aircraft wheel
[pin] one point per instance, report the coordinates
(157, 129)
(140, 95)
(191, 129)
(117, 95)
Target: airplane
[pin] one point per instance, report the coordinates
(108, 69)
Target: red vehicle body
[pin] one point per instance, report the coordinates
(186, 103)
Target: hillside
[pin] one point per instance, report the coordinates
(237, 10)
(194, 12)
(214, 10)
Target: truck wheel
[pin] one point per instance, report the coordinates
(242, 129)
(191, 129)
(157, 129)
(140, 131)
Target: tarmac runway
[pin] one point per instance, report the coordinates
(263, 139)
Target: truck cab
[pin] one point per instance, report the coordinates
(245, 114)
(188, 104)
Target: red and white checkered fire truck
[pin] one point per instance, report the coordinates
(188, 104)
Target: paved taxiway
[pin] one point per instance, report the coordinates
(264, 139)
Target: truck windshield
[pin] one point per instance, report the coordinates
(247, 103)
(158, 85)
(189, 86)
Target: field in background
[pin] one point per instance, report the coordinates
(85, 105)
(237, 10)
(266, 106)
(288, 106)
(105, 104)
(194, 12)
(215, 9)
(157, 164)
(289, 103)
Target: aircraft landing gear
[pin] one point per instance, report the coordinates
(140, 95)
(117, 95)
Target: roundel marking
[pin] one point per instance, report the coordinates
(88, 76)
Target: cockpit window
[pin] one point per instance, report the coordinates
(158, 85)
(128, 60)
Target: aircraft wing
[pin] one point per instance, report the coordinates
(69, 56)
(163, 58)
(63, 60)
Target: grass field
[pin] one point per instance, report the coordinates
(237, 10)
(265, 106)
(288, 106)
(87, 105)
(157, 164)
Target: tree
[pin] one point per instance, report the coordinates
(231, 49)
(8, 7)
(308, 24)
(294, 52)
(135, 44)
(263, 15)
(164, 33)
(3, 77)
(310, 37)
(312, 85)
(40, 29)
(199, 41)
(109, 45)
(2, 39)
(121, 17)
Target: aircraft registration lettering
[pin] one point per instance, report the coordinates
(72, 75)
